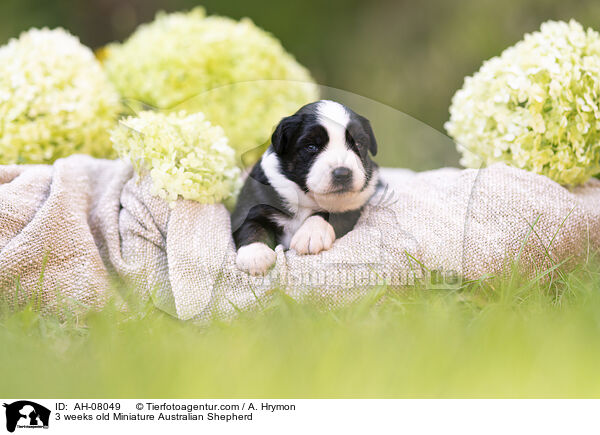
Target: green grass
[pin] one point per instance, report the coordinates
(494, 338)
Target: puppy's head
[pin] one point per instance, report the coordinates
(324, 148)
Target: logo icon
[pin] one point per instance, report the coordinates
(26, 414)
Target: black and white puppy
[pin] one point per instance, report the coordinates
(309, 186)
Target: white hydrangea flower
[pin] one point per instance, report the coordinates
(536, 106)
(185, 155)
(55, 99)
(238, 75)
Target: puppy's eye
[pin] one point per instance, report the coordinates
(312, 148)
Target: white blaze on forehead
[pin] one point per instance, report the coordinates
(332, 114)
(334, 118)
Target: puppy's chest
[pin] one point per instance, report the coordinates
(289, 225)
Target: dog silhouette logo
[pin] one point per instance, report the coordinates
(26, 414)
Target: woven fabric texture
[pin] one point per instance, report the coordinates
(76, 232)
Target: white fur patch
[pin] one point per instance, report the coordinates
(287, 189)
(341, 202)
(304, 204)
(334, 118)
(255, 258)
(315, 235)
(332, 112)
(291, 225)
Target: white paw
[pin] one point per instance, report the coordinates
(255, 258)
(315, 235)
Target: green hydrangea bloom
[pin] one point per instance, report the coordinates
(55, 99)
(238, 75)
(536, 106)
(185, 155)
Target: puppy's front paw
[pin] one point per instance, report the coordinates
(255, 258)
(315, 235)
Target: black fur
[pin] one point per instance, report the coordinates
(253, 219)
(297, 141)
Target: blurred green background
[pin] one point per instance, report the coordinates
(410, 56)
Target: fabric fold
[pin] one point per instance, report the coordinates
(73, 232)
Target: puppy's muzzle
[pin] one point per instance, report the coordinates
(341, 177)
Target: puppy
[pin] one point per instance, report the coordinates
(309, 186)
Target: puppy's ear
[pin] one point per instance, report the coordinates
(366, 125)
(284, 133)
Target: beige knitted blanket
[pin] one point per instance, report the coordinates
(75, 231)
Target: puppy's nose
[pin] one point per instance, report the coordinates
(341, 175)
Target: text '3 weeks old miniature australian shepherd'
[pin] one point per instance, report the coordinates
(309, 186)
